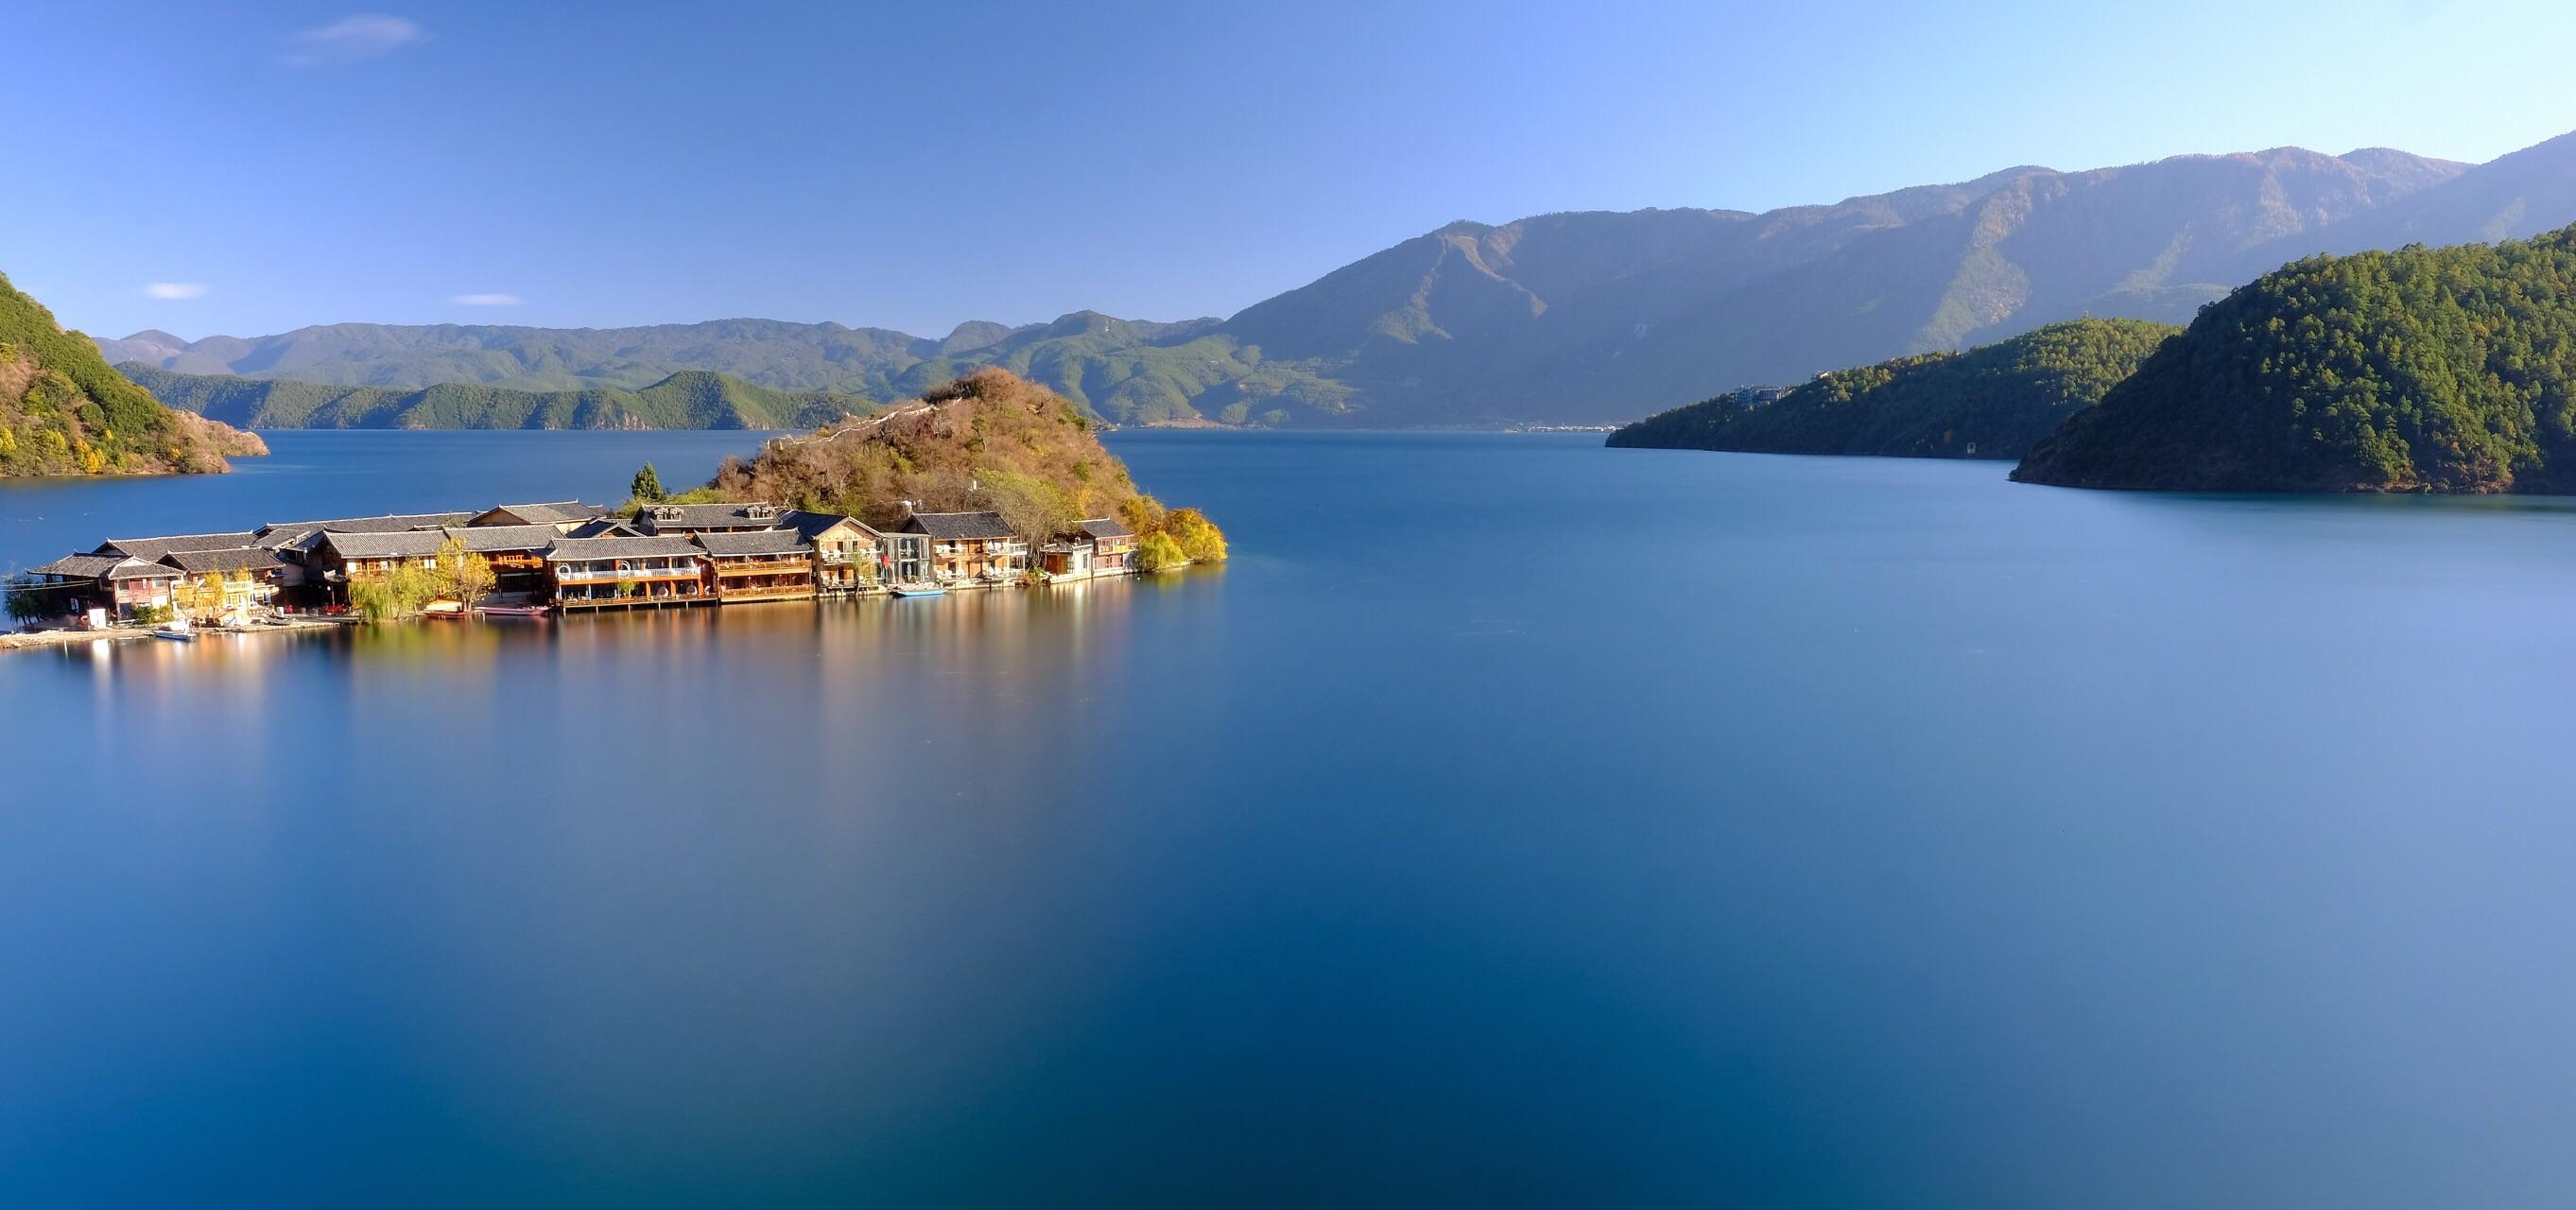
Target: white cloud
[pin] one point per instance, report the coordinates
(487, 300)
(351, 38)
(175, 290)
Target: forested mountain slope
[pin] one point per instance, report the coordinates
(2424, 369)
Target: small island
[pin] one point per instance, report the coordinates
(64, 412)
(989, 482)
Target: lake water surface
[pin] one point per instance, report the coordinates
(1512, 821)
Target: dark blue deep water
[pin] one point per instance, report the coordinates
(1512, 821)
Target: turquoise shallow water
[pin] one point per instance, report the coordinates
(1512, 821)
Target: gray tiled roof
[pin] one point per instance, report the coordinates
(400, 544)
(685, 518)
(810, 524)
(552, 513)
(287, 533)
(493, 539)
(755, 542)
(583, 549)
(198, 562)
(79, 567)
(959, 525)
(1103, 527)
(150, 550)
(605, 527)
(137, 569)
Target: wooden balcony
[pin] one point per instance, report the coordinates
(600, 575)
(731, 594)
(765, 567)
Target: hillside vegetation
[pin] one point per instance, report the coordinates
(690, 399)
(1561, 318)
(64, 412)
(2424, 369)
(1990, 402)
(989, 440)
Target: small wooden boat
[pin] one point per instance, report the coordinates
(511, 611)
(917, 590)
(176, 632)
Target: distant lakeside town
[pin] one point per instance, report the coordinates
(538, 559)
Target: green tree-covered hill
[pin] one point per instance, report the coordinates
(1989, 402)
(689, 399)
(988, 440)
(64, 412)
(2423, 369)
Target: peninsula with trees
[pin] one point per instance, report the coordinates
(2418, 370)
(63, 411)
(1989, 402)
(989, 482)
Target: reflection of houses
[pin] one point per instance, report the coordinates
(562, 516)
(847, 554)
(971, 548)
(226, 583)
(596, 573)
(1098, 547)
(706, 518)
(758, 565)
(517, 554)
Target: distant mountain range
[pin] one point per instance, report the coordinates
(1562, 318)
(689, 399)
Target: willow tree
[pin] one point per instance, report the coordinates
(462, 574)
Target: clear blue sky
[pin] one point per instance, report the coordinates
(278, 164)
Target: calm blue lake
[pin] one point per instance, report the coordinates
(1512, 821)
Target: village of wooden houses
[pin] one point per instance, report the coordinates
(564, 556)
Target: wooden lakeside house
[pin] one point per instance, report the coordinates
(516, 553)
(1113, 546)
(657, 519)
(221, 584)
(305, 583)
(970, 550)
(563, 516)
(848, 554)
(1097, 547)
(332, 559)
(118, 586)
(903, 560)
(610, 573)
(758, 565)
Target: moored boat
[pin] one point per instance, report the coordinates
(917, 590)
